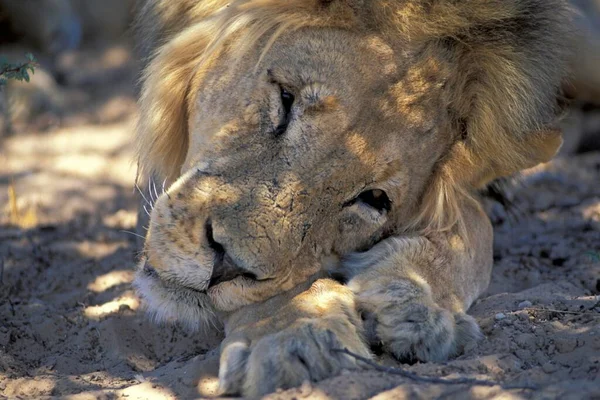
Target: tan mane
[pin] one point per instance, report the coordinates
(162, 129)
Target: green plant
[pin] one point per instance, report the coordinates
(16, 71)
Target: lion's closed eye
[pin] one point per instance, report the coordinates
(287, 101)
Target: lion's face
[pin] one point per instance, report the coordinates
(295, 132)
(321, 150)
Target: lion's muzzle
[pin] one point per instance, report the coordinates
(225, 238)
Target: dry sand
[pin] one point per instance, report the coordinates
(71, 327)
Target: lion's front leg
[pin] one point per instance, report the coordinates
(414, 291)
(290, 339)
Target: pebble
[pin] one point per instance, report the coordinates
(523, 315)
(523, 354)
(595, 342)
(526, 341)
(525, 304)
(500, 316)
(565, 344)
(549, 368)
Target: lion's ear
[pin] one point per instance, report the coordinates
(509, 58)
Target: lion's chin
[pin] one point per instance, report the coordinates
(167, 304)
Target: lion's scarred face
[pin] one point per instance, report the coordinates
(288, 146)
(303, 159)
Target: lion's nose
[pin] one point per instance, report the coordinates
(224, 268)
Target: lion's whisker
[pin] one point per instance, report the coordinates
(132, 233)
(142, 193)
(155, 191)
(150, 191)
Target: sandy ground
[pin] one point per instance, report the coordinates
(71, 327)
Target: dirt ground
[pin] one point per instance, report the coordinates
(71, 326)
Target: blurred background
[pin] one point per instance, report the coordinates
(71, 125)
(68, 320)
(68, 210)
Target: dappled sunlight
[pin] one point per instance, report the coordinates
(147, 390)
(591, 212)
(74, 170)
(208, 386)
(483, 392)
(29, 387)
(71, 140)
(318, 394)
(398, 393)
(361, 148)
(126, 301)
(121, 219)
(80, 151)
(385, 53)
(91, 249)
(327, 301)
(71, 325)
(419, 91)
(113, 278)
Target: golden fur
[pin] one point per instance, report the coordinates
(401, 111)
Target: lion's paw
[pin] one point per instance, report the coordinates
(306, 351)
(413, 327)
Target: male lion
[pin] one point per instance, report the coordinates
(304, 137)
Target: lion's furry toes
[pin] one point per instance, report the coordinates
(424, 332)
(405, 321)
(302, 352)
(467, 331)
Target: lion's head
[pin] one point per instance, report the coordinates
(292, 133)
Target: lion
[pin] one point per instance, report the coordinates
(314, 167)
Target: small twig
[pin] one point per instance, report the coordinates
(431, 379)
(12, 307)
(16, 68)
(69, 319)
